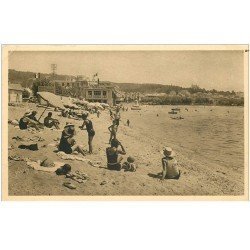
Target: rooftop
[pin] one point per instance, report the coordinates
(15, 87)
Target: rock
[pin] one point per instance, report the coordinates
(69, 185)
(103, 183)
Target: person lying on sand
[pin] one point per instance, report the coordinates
(91, 132)
(65, 113)
(169, 165)
(49, 122)
(112, 129)
(29, 120)
(32, 116)
(113, 158)
(67, 143)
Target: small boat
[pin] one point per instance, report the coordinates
(136, 106)
(177, 118)
(173, 112)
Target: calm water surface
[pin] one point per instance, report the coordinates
(209, 135)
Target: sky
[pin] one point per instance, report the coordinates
(220, 70)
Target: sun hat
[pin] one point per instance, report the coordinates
(167, 151)
(28, 112)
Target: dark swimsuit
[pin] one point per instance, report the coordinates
(89, 128)
(112, 160)
(64, 144)
(22, 124)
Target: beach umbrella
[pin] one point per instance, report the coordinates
(51, 99)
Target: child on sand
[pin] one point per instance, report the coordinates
(169, 165)
(113, 130)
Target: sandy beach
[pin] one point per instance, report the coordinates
(203, 172)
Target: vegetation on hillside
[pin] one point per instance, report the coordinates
(168, 94)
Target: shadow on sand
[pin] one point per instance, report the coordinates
(156, 176)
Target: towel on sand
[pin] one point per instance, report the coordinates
(36, 165)
(65, 156)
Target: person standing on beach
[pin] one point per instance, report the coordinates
(117, 118)
(128, 122)
(90, 130)
(112, 129)
(169, 165)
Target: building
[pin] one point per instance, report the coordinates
(15, 93)
(91, 91)
(100, 93)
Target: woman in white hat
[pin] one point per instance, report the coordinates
(169, 165)
(27, 121)
(67, 143)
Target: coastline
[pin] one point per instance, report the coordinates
(140, 142)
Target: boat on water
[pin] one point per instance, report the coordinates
(176, 109)
(136, 106)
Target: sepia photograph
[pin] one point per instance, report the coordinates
(125, 122)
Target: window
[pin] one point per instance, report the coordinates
(104, 93)
(90, 93)
(97, 92)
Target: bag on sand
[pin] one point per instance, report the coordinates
(33, 147)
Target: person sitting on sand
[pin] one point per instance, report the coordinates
(129, 165)
(113, 158)
(25, 122)
(169, 165)
(67, 143)
(91, 132)
(49, 122)
(113, 130)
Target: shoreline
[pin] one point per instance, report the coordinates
(140, 142)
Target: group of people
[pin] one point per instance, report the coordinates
(114, 152)
(29, 120)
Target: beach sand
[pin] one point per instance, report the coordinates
(143, 140)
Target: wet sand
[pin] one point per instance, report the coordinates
(144, 140)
